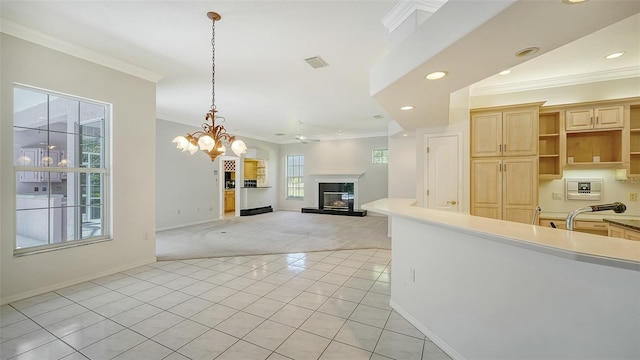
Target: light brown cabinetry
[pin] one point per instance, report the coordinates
(507, 132)
(592, 227)
(551, 145)
(589, 118)
(634, 140)
(504, 163)
(229, 200)
(624, 233)
(504, 188)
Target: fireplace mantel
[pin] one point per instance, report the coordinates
(337, 178)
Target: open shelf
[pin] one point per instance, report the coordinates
(583, 147)
(549, 162)
(634, 140)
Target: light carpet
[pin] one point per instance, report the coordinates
(273, 233)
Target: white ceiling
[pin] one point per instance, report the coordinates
(263, 84)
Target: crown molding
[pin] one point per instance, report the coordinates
(623, 73)
(404, 9)
(22, 32)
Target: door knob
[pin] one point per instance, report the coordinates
(452, 202)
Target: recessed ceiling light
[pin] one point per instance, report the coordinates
(436, 75)
(505, 72)
(573, 2)
(405, 108)
(528, 51)
(614, 55)
(405, 134)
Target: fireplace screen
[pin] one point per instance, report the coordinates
(336, 200)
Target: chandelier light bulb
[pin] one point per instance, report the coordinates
(206, 143)
(238, 147)
(192, 148)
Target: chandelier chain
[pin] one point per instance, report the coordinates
(213, 65)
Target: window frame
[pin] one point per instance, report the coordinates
(103, 172)
(299, 187)
(383, 156)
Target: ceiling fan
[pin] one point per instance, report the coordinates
(301, 138)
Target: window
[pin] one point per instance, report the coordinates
(295, 176)
(60, 169)
(380, 156)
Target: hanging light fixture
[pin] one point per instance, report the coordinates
(212, 137)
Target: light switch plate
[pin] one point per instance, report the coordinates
(557, 196)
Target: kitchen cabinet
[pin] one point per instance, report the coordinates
(596, 227)
(595, 148)
(229, 200)
(509, 131)
(504, 188)
(589, 118)
(624, 233)
(40, 157)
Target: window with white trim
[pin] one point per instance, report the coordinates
(295, 177)
(380, 156)
(61, 167)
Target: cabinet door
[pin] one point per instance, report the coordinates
(54, 160)
(519, 189)
(486, 188)
(615, 231)
(579, 119)
(520, 133)
(486, 134)
(632, 235)
(609, 117)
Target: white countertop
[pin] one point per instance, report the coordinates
(39, 196)
(569, 244)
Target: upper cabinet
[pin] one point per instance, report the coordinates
(590, 118)
(512, 131)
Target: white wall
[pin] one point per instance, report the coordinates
(133, 158)
(187, 191)
(603, 90)
(402, 167)
(349, 156)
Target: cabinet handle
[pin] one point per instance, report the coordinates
(500, 148)
(591, 121)
(499, 167)
(452, 202)
(505, 147)
(596, 120)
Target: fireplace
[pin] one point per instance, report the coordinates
(335, 196)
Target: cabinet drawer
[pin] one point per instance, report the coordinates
(632, 235)
(591, 225)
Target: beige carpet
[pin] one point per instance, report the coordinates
(273, 233)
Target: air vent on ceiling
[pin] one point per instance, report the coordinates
(316, 62)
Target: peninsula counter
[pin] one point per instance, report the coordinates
(490, 289)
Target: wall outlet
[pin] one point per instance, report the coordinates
(633, 196)
(557, 196)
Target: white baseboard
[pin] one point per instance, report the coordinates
(425, 330)
(64, 284)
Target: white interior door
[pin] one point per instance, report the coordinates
(443, 190)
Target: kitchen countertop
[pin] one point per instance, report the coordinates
(627, 223)
(596, 216)
(569, 244)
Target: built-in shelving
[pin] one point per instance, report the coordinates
(549, 145)
(594, 148)
(634, 140)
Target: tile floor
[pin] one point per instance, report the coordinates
(320, 305)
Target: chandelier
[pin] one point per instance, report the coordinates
(212, 138)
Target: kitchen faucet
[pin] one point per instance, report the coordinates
(617, 207)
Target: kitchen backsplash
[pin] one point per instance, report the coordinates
(612, 190)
